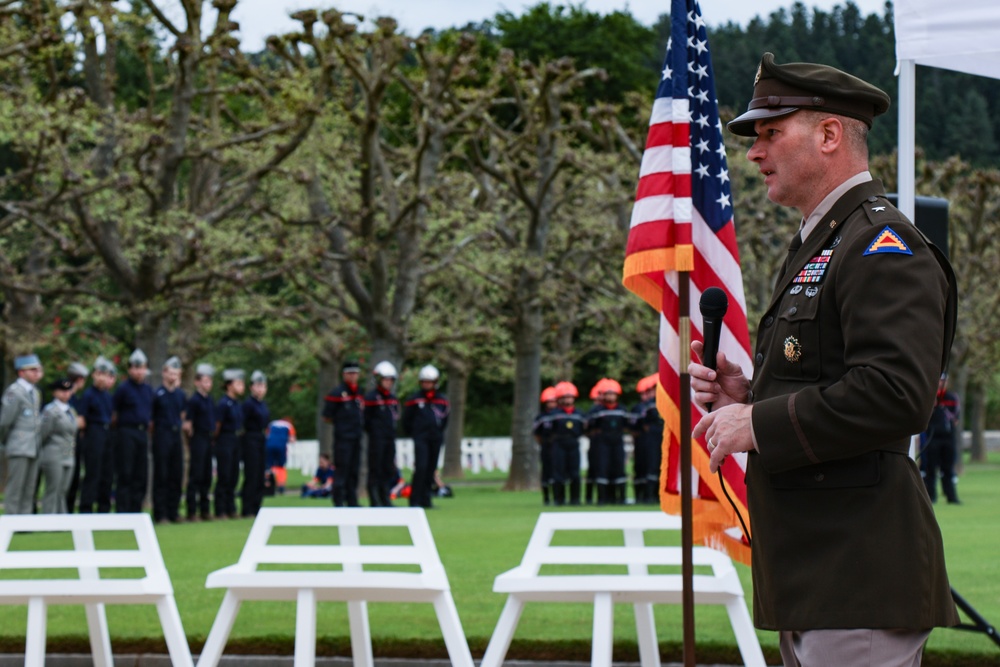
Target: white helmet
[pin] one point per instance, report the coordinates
(428, 372)
(384, 369)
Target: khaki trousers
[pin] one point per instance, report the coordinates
(857, 648)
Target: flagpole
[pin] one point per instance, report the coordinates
(687, 533)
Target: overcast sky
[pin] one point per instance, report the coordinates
(259, 18)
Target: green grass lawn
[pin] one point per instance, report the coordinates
(481, 532)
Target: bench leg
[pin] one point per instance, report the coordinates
(305, 628)
(173, 632)
(645, 630)
(211, 653)
(100, 638)
(496, 651)
(34, 646)
(451, 628)
(604, 631)
(361, 636)
(746, 638)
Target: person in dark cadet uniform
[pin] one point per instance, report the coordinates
(542, 430)
(199, 425)
(256, 417)
(567, 427)
(229, 429)
(381, 416)
(77, 374)
(169, 404)
(425, 417)
(647, 435)
(96, 452)
(848, 561)
(344, 408)
(939, 444)
(133, 414)
(606, 423)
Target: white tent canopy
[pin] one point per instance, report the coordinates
(960, 35)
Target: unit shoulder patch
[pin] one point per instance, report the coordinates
(888, 242)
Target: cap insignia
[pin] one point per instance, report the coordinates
(756, 78)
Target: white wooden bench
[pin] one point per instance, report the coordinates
(352, 584)
(639, 587)
(39, 590)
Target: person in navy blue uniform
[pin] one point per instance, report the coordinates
(229, 431)
(425, 417)
(256, 417)
(940, 444)
(344, 408)
(647, 437)
(133, 414)
(606, 424)
(96, 452)
(77, 373)
(199, 425)
(381, 416)
(542, 430)
(567, 425)
(169, 404)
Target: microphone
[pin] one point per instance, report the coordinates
(713, 305)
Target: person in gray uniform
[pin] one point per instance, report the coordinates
(58, 442)
(20, 419)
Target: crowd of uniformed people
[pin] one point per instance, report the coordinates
(88, 448)
(560, 425)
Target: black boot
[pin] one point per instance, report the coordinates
(640, 492)
(589, 496)
(574, 492)
(621, 490)
(545, 494)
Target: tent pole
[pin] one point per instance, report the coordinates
(906, 163)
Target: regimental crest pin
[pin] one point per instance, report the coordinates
(795, 290)
(888, 242)
(812, 291)
(793, 349)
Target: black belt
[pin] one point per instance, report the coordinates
(232, 432)
(136, 427)
(167, 427)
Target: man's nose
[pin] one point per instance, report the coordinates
(755, 152)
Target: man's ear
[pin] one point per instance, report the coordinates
(833, 134)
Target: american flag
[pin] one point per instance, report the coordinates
(683, 221)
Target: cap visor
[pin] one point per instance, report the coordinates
(743, 125)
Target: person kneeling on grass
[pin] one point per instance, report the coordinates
(321, 485)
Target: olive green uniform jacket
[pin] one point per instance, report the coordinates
(848, 357)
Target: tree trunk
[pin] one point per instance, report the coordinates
(152, 334)
(524, 473)
(977, 422)
(326, 379)
(458, 388)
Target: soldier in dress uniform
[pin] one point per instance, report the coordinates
(344, 408)
(58, 438)
(567, 427)
(199, 425)
(647, 435)
(96, 449)
(77, 373)
(542, 430)
(169, 404)
(256, 417)
(425, 417)
(20, 421)
(606, 424)
(133, 414)
(229, 430)
(848, 561)
(381, 416)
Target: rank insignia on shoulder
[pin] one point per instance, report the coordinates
(888, 242)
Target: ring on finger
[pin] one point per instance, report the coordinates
(711, 445)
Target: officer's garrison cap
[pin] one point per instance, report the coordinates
(137, 358)
(26, 361)
(257, 376)
(779, 90)
(104, 365)
(231, 374)
(173, 362)
(204, 369)
(76, 369)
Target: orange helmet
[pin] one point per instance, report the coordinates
(548, 394)
(565, 388)
(611, 385)
(646, 383)
(598, 389)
